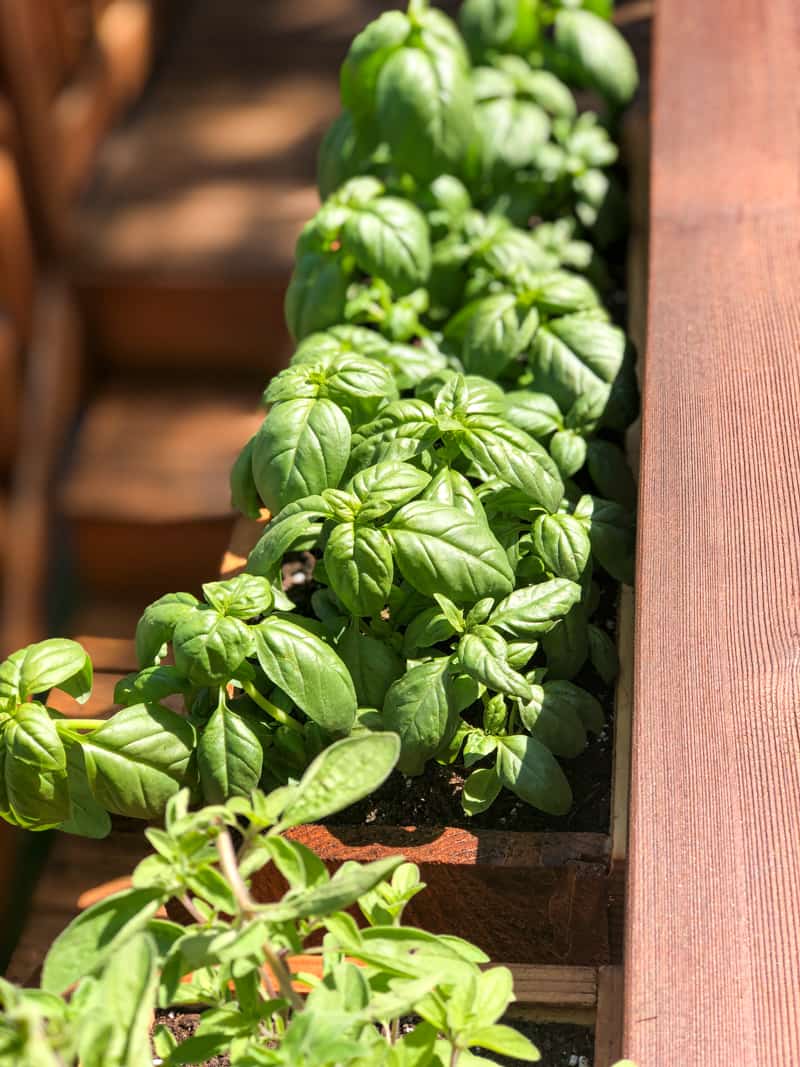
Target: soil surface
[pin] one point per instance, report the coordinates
(560, 1045)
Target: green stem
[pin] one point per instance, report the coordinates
(276, 713)
(66, 725)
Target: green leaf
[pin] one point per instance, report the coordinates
(452, 488)
(244, 495)
(95, 935)
(554, 722)
(507, 453)
(87, 817)
(440, 549)
(388, 238)
(157, 624)
(138, 759)
(612, 532)
(491, 26)
(510, 132)
(393, 483)
(577, 358)
(421, 708)
(568, 450)
(423, 104)
(33, 769)
(317, 293)
(506, 1041)
(351, 881)
(359, 566)
(488, 334)
(301, 449)
(229, 757)
(209, 648)
(567, 644)
(535, 413)
(481, 789)
(297, 527)
(603, 654)
(341, 775)
(483, 653)
(597, 54)
(308, 670)
(561, 693)
(244, 597)
(530, 770)
(562, 544)
(609, 470)
(56, 664)
(535, 609)
(373, 666)
(150, 686)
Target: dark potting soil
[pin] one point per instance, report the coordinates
(560, 1044)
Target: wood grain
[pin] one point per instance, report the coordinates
(713, 935)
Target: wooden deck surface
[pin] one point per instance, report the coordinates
(713, 936)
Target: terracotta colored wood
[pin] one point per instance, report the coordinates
(109, 654)
(525, 898)
(16, 250)
(9, 390)
(713, 936)
(147, 494)
(608, 1023)
(49, 401)
(246, 533)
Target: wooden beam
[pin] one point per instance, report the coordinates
(713, 934)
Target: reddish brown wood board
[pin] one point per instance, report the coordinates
(522, 897)
(713, 935)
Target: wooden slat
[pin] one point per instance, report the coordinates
(608, 1023)
(713, 936)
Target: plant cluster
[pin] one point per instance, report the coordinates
(236, 959)
(445, 442)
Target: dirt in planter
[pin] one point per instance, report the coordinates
(561, 1045)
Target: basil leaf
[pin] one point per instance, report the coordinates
(56, 664)
(394, 483)
(567, 644)
(244, 495)
(368, 51)
(229, 757)
(488, 334)
(244, 597)
(373, 666)
(504, 1040)
(504, 452)
(139, 759)
(603, 654)
(480, 791)
(530, 770)
(95, 935)
(612, 531)
(209, 647)
(87, 818)
(317, 293)
(577, 358)
(33, 768)
(554, 722)
(343, 153)
(423, 104)
(510, 132)
(535, 609)
(597, 55)
(562, 544)
(441, 549)
(301, 449)
(401, 431)
(389, 239)
(341, 775)
(309, 671)
(483, 654)
(428, 628)
(609, 470)
(420, 708)
(560, 293)
(491, 26)
(560, 694)
(296, 527)
(535, 413)
(568, 450)
(358, 563)
(157, 624)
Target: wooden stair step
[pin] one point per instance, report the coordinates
(183, 242)
(146, 495)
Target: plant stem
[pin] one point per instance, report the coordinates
(65, 725)
(249, 910)
(186, 902)
(278, 714)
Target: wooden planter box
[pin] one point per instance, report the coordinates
(523, 897)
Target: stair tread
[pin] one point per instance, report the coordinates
(215, 170)
(155, 455)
